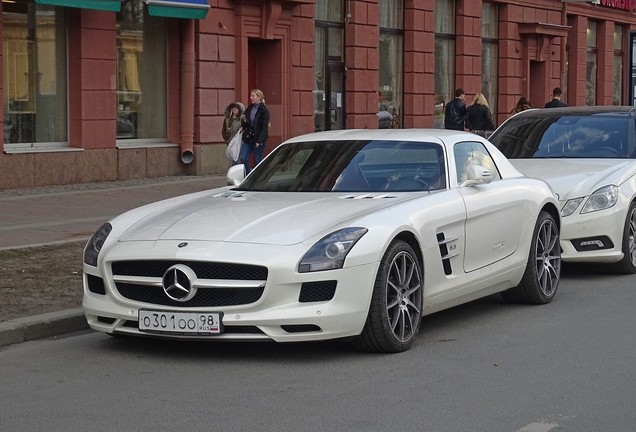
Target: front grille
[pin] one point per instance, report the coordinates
(301, 328)
(126, 273)
(317, 291)
(105, 320)
(95, 284)
(203, 297)
(226, 329)
(204, 270)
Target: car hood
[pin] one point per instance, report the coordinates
(571, 178)
(255, 217)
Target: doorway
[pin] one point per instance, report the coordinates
(537, 92)
(265, 72)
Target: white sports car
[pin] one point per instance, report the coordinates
(342, 234)
(588, 155)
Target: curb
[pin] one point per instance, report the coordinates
(42, 326)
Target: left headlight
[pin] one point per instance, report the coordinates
(602, 199)
(330, 251)
(94, 245)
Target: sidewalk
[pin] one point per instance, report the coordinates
(54, 215)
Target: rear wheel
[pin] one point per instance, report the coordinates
(543, 270)
(628, 264)
(395, 312)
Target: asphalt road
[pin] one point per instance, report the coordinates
(485, 366)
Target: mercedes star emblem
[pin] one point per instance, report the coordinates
(178, 283)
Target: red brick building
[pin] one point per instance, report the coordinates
(97, 90)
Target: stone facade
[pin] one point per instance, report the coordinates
(269, 44)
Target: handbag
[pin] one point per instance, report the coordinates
(233, 150)
(248, 135)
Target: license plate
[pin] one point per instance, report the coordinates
(181, 323)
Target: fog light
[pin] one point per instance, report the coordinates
(596, 243)
(588, 244)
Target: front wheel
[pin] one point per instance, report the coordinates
(628, 264)
(543, 270)
(395, 312)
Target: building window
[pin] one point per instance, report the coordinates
(34, 53)
(617, 89)
(490, 54)
(590, 69)
(141, 74)
(391, 63)
(329, 80)
(444, 58)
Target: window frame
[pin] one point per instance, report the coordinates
(445, 41)
(36, 14)
(136, 141)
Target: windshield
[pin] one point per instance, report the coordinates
(350, 166)
(570, 136)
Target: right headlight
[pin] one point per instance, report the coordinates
(94, 245)
(330, 251)
(602, 199)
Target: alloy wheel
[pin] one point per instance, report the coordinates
(548, 257)
(404, 296)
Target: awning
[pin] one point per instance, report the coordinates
(190, 9)
(107, 5)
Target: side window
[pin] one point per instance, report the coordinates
(473, 153)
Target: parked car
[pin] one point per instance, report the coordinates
(340, 234)
(588, 155)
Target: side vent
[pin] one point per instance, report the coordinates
(443, 242)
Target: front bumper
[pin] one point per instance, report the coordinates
(593, 237)
(279, 314)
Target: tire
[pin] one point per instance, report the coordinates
(395, 311)
(540, 280)
(628, 264)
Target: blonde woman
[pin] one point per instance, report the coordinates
(255, 130)
(478, 116)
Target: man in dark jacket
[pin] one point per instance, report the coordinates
(556, 99)
(455, 112)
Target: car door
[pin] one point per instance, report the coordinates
(494, 211)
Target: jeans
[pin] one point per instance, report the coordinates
(246, 150)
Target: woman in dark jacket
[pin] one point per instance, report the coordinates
(479, 117)
(232, 121)
(255, 130)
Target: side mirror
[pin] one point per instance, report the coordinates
(235, 175)
(476, 175)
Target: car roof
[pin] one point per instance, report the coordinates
(434, 135)
(578, 111)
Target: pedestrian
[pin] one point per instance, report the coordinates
(232, 122)
(255, 130)
(455, 111)
(384, 116)
(522, 105)
(556, 99)
(478, 117)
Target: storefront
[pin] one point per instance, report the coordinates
(83, 81)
